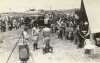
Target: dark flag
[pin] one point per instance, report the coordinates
(83, 15)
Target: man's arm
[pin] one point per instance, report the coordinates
(88, 32)
(79, 32)
(32, 31)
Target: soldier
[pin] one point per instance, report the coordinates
(46, 40)
(35, 37)
(3, 26)
(32, 22)
(60, 33)
(83, 33)
(46, 21)
(75, 33)
(14, 23)
(25, 36)
(53, 28)
(63, 27)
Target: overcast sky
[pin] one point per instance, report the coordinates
(23, 5)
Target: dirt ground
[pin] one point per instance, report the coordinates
(64, 51)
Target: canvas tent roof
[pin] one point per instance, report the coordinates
(93, 14)
(34, 12)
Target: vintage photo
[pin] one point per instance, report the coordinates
(49, 31)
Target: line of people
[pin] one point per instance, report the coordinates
(10, 23)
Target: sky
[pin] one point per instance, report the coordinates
(23, 5)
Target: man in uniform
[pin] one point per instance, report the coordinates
(46, 40)
(35, 36)
(25, 36)
(83, 33)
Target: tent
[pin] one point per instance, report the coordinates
(93, 14)
(34, 12)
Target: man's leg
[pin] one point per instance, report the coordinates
(61, 33)
(51, 49)
(37, 42)
(34, 46)
(78, 41)
(58, 35)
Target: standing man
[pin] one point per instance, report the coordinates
(75, 33)
(46, 21)
(63, 27)
(46, 40)
(25, 36)
(35, 36)
(83, 33)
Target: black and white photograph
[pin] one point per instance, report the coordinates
(49, 31)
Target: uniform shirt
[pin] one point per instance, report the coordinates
(14, 22)
(63, 24)
(35, 31)
(70, 24)
(25, 35)
(58, 24)
(46, 31)
(46, 21)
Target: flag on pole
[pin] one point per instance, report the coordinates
(83, 15)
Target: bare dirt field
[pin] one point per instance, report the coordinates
(64, 51)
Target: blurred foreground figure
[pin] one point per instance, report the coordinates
(35, 36)
(24, 48)
(24, 53)
(46, 33)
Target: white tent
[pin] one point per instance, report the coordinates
(34, 12)
(93, 13)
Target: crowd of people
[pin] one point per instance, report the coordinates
(66, 26)
(9, 23)
(71, 28)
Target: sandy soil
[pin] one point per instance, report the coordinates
(64, 50)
